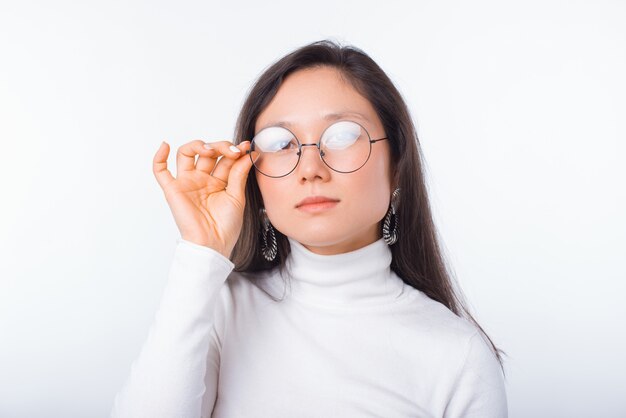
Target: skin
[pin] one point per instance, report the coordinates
(303, 100)
(207, 196)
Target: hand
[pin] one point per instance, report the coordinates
(207, 197)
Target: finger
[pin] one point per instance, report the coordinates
(206, 163)
(237, 178)
(186, 155)
(222, 169)
(159, 165)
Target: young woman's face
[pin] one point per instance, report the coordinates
(304, 101)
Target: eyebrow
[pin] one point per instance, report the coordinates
(328, 117)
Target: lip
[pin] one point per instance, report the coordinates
(314, 204)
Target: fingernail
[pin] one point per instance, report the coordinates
(234, 149)
(207, 146)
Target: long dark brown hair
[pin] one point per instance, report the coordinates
(417, 256)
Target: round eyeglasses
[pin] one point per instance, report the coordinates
(344, 146)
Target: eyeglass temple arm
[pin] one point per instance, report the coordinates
(376, 140)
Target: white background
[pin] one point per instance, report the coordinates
(520, 109)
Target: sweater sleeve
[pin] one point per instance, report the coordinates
(479, 390)
(169, 377)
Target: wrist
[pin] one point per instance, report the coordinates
(207, 243)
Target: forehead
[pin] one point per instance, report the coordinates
(314, 97)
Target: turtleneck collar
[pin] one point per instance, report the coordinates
(354, 279)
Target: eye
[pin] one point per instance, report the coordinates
(341, 135)
(274, 139)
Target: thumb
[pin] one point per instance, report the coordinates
(238, 176)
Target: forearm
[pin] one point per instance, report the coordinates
(167, 379)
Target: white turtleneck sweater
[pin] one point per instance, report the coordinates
(348, 339)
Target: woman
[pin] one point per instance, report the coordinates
(313, 284)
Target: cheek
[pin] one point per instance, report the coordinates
(273, 194)
(265, 188)
(374, 190)
(366, 192)
(379, 186)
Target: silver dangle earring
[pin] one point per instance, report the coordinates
(390, 224)
(269, 247)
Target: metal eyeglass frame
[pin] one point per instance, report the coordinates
(320, 152)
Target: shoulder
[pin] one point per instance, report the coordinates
(457, 354)
(207, 262)
(240, 300)
(250, 288)
(449, 340)
(213, 271)
(433, 319)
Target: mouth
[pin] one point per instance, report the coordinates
(317, 204)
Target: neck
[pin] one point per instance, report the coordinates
(345, 245)
(362, 277)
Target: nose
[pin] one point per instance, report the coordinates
(311, 165)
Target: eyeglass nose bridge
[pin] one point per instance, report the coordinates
(313, 144)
